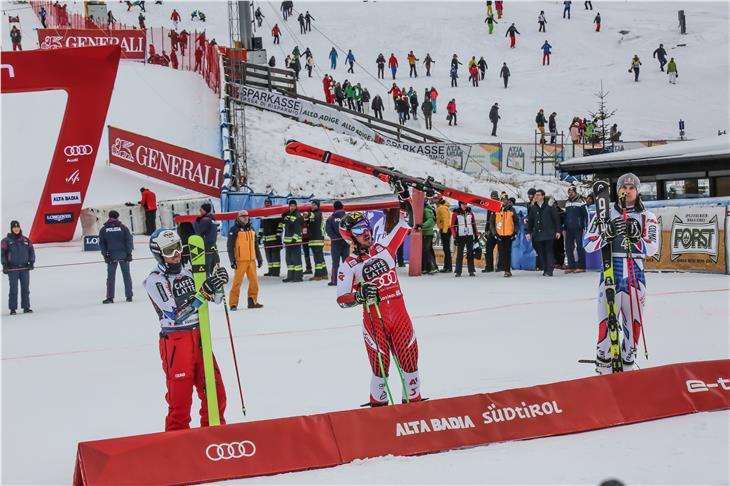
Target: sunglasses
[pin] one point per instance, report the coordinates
(173, 250)
(361, 227)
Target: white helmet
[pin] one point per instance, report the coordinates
(165, 243)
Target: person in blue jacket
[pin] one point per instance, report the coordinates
(116, 245)
(206, 227)
(350, 59)
(546, 53)
(18, 258)
(333, 58)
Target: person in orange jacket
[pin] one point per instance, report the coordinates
(243, 250)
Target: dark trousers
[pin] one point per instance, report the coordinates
(111, 273)
(559, 252)
(293, 263)
(429, 125)
(22, 276)
(636, 73)
(461, 242)
(542, 27)
(381, 72)
(453, 82)
(149, 221)
(545, 255)
(494, 127)
(489, 254)
(446, 244)
(506, 80)
(399, 256)
(307, 259)
(273, 259)
(505, 253)
(452, 117)
(428, 257)
(379, 114)
(413, 71)
(428, 70)
(340, 251)
(574, 240)
(320, 267)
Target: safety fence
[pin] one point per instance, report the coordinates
(185, 51)
(274, 446)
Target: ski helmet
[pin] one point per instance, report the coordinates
(354, 223)
(165, 243)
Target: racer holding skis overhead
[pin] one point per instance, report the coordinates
(636, 231)
(171, 289)
(368, 276)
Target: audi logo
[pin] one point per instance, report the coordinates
(233, 450)
(76, 150)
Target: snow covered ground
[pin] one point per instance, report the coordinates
(77, 370)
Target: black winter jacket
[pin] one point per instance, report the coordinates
(17, 251)
(543, 221)
(206, 227)
(115, 241)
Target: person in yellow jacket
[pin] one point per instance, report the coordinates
(412, 59)
(443, 223)
(243, 250)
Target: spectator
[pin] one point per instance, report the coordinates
(512, 32)
(276, 33)
(115, 242)
(43, 14)
(482, 64)
(259, 20)
(270, 234)
(380, 62)
(542, 21)
(588, 4)
(414, 104)
(543, 228)
(174, 60)
(197, 14)
(597, 21)
(149, 204)
(403, 108)
(498, 4)
(15, 38)
(427, 61)
(615, 133)
(661, 55)
(199, 60)
(333, 58)
(142, 26)
(490, 23)
(316, 241)
(427, 109)
(451, 110)
(308, 17)
(443, 223)
(182, 41)
(296, 66)
(553, 127)
(305, 243)
(576, 221)
(350, 59)
(339, 94)
(504, 226)
(558, 246)
(365, 101)
(245, 256)
(428, 257)
(672, 71)
(540, 122)
(635, 63)
(490, 241)
(434, 97)
(566, 8)
(292, 232)
(575, 130)
(206, 227)
(302, 24)
(340, 249)
(546, 52)
(309, 65)
(377, 107)
(393, 65)
(18, 259)
(464, 231)
(110, 20)
(504, 74)
(494, 118)
(412, 60)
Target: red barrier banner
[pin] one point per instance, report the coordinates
(298, 443)
(87, 75)
(131, 41)
(166, 162)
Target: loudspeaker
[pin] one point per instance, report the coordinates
(256, 43)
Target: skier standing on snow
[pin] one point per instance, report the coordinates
(672, 71)
(512, 32)
(542, 21)
(661, 55)
(428, 61)
(546, 52)
(393, 65)
(639, 232)
(380, 61)
(176, 300)
(635, 63)
(504, 74)
(368, 277)
(494, 118)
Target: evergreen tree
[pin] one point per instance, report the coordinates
(601, 130)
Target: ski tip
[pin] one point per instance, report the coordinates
(290, 141)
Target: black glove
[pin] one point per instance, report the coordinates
(367, 292)
(258, 265)
(215, 282)
(107, 258)
(233, 265)
(400, 189)
(129, 257)
(5, 269)
(614, 229)
(633, 230)
(30, 267)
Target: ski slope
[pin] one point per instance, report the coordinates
(581, 59)
(77, 370)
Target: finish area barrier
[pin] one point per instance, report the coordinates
(316, 441)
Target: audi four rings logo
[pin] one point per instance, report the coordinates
(233, 450)
(77, 150)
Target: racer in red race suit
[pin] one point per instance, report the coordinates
(369, 275)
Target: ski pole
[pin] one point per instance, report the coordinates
(627, 246)
(638, 307)
(233, 349)
(395, 359)
(377, 349)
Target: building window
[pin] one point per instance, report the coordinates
(687, 188)
(648, 191)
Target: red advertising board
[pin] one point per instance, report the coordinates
(132, 41)
(297, 443)
(87, 75)
(166, 162)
